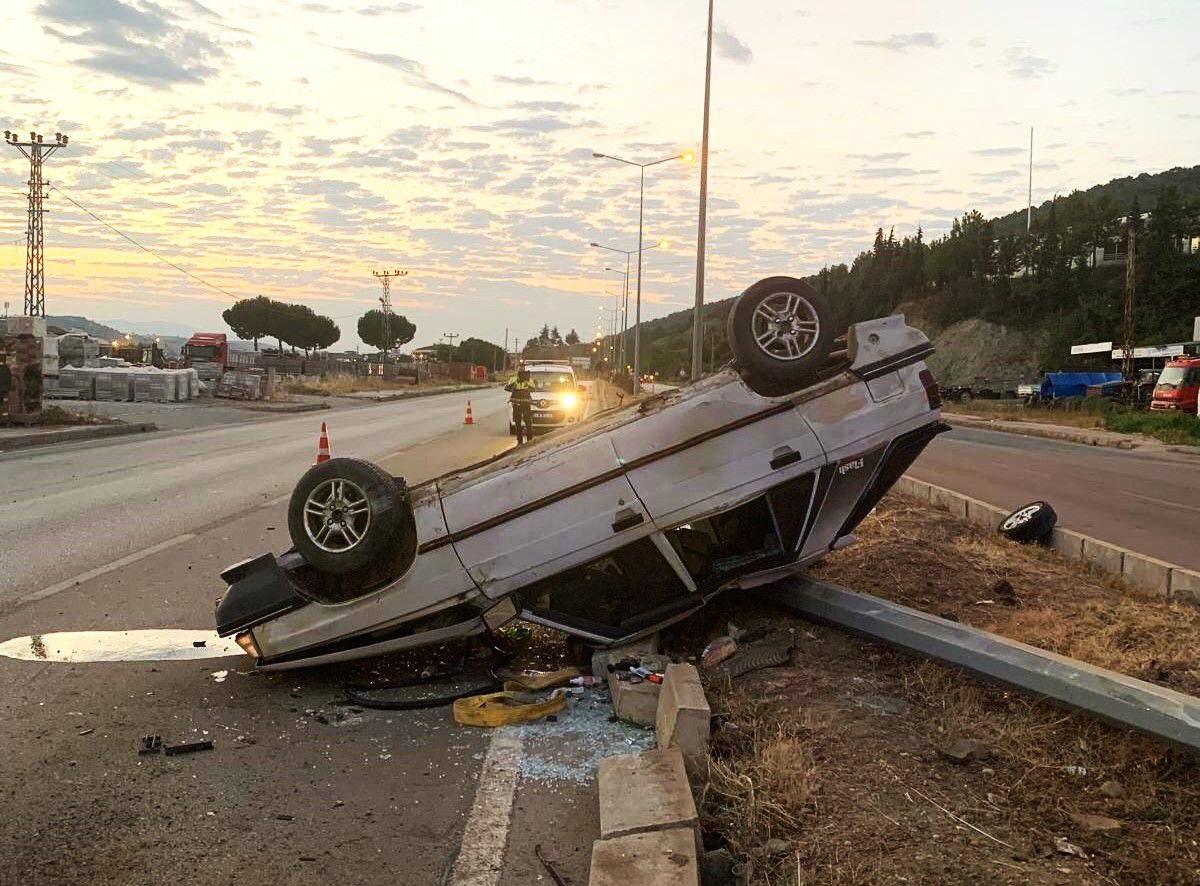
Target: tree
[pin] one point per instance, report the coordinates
(572, 338)
(370, 330)
(250, 318)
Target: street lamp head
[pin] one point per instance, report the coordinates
(598, 155)
(595, 245)
(687, 156)
(663, 244)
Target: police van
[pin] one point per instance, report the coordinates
(557, 397)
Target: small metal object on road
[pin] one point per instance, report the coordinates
(188, 748)
(87, 732)
(199, 644)
(150, 744)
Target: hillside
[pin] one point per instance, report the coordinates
(1001, 304)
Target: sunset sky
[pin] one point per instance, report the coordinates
(290, 148)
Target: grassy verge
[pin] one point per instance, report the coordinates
(56, 416)
(1091, 413)
(832, 769)
(341, 385)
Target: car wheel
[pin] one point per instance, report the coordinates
(1029, 524)
(781, 332)
(343, 514)
(965, 397)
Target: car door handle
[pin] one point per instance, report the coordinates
(784, 456)
(626, 519)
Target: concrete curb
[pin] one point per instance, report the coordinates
(75, 433)
(283, 408)
(429, 392)
(1172, 582)
(1068, 435)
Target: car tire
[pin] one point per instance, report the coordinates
(1029, 524)
(965, 397)
(802, 323)
(343, 514)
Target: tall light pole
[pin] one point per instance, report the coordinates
(687, 157)
(698, 309)
(622, 298)
(625, 321)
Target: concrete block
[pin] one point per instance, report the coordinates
(1147, 573)
(948, 500)
(983, 514)
(635, 702)
(644, 792)
(683, 717)
(601, 657)
(914, 487)
(1103, 554)
(664, 858)
(1067, 543)
(1185, 586)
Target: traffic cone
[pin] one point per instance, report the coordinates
(468, 420)
(323, 446)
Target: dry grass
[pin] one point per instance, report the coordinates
(1014, 410)
(341, 385)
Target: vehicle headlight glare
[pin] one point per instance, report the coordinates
(569, 401)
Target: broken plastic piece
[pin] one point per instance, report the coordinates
(188, 748)
(150, 744)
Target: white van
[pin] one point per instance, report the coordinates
(557, 397)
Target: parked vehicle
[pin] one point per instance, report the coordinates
(611, 529)
(557, 396)
(1178, 386)
(207, 353)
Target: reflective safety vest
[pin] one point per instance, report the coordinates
(522, 391)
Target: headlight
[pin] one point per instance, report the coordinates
(569, 400)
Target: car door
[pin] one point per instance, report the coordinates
(712, 449)
(520, 522)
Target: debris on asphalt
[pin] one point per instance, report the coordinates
(87, 732)
(188, 748)
(531, 680)
(554, 875)
(150, 744)
(199, 644)
(219, 676)
(283, 817)
(1075, 770)
(507, 708)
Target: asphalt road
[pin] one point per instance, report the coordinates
(1149, 503)
(297, 789)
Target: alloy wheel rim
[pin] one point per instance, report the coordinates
(785, 326)
(1022, 516)
(337, 515)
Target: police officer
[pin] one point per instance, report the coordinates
(521, 390)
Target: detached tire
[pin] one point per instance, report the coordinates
(1029, 524)
(343, 514)
(781, 332)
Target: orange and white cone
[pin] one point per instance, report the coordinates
(323, 446)
(468, 420)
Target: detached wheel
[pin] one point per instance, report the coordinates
(343, 515)
(1029, 524)
(781, 332)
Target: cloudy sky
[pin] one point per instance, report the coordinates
(290, 148)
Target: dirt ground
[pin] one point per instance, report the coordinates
(832, 768)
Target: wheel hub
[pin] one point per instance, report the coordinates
(785, 326)
(336, 515)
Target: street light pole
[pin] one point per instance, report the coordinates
(698, 309)
(637, 329)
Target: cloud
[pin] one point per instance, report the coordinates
(136, 40)
(904, 42)
(505, 80)
(892, 172)
(374, 9)
(999, 152)
(413, 71)
(547, 106)
(886, 157)
(730, 47)
(922, 133)
(1022, 64)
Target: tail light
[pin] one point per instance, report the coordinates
(929, 383)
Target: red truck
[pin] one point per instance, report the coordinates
(207, 353)
(1178, 386)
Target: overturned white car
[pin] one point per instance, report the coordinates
(614, 528)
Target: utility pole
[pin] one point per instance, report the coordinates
(698, 308)
(1029, 210)
(35, 151)
(1130, 283)
(385, 277)
(452, 336)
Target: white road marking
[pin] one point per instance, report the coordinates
(108, 567)
(480, 859)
